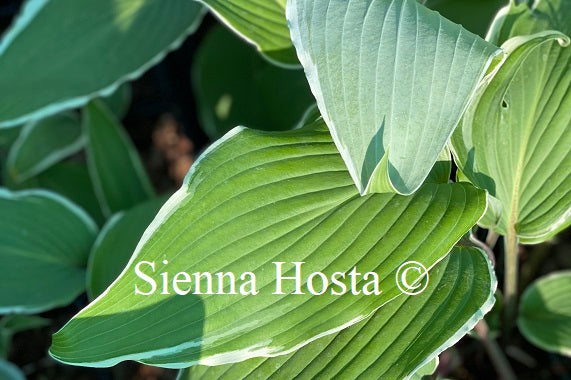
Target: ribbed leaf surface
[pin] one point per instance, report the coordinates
(45, 243)
(253, 199)
(391, 79)
(59, 54)
(545, 313)
(118, 175)
(260, 22)
(43, 143)
(400, 337)
(515, 139)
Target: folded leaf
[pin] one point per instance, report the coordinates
(43, 143)
(45, 244)
(261, 23)
(515, 142)
(235, 86)
(118, 175)
(256, 198)
(545, 313)
(59, 54)
(115, 244)
(391, 79)
(397, 339)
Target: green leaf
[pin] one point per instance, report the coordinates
(391, 78)
(9, 371)
(253, 199)
(119, 101)
(234, 86)
(545, 313)
(43, 143)
(45, 244)
(70, 179)
(261, 23)
(116, 243)
(395, 341)
(60, 54)
(426, 370)
(514, 139)
(118, 175)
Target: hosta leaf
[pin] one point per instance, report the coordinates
(43, 143)
(115, 168)
(545, 313)
(111, 41)
(115, 244)
(253, 199)
(235, 86)
(261, 23)
(404, 334)
(45, 244)
(515, 138)
(391, 79)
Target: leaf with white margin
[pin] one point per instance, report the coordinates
(545, 313)
(261, 23)
(44, 143)
(515, 138)
(391, 79)
(59, 54)
(118, 175)
(45, 240)
(397, 339)
(255, 198)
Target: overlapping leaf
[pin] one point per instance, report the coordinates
(545, 313)
(45, 243)
(260, 22)
(391, 78)
(118, 175)
(396, 340)
(515, 138)
(235, 86)
(58, 54)
(115, 244)
(43, 143)
(253, 199)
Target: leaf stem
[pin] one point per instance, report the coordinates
(499, 360)
(511, 267)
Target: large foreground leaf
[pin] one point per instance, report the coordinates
(58, 54)
(253, 199)
(397, 339)
(45, 243)
(545, 313)
(391, 78)
(515, 139)
(235, 86)
(43, 143)
(118, 175)
(260, 22)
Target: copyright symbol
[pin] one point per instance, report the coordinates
(415, 286)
